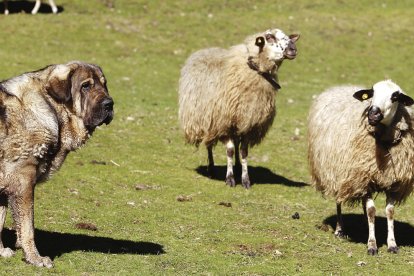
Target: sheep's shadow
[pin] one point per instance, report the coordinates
(356, 228)
(55, 244)
(27, 7)
(258, 175)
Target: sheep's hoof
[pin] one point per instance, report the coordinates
(230, 181)
(246, 182)
(393, 249)
(372, 251)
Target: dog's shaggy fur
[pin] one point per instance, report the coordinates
(43, 116)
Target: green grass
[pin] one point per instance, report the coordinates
(141, 46)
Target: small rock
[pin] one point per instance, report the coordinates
(86, 226)
(183, 198)
(278, 253)
(74, 191)
(142, 187)
(96, 162)
(225, 204)
(361, 263)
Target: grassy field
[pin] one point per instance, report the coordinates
(141, 46)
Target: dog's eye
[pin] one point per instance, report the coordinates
(86, 86)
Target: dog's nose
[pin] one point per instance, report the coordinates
(108, 104)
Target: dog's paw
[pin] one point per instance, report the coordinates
(6, 252)
(40, 261)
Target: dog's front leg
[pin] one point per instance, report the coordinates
(22, 204)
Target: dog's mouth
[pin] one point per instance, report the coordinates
(104, 115)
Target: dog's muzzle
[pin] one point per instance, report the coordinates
(375, 115)
(108, 107)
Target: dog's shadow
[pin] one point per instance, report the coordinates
(27, 7)
(356, 228)
(55, 244)
(258, 175)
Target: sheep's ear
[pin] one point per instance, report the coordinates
(260, 42)
(59, 83)
(402, 98)
(364, 94)
(294, 37)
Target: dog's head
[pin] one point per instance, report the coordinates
(82, 87)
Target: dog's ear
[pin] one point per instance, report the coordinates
(59, 84)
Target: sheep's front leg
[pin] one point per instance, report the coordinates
(6, 7)
(229, 175)
(372, 242)
(210, 168)
(389, 210)
(245, 173)
(36, 7)
(53, 6)
(339, 230)
(4, 252)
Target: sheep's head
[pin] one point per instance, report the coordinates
(385, 97)
(277, 45)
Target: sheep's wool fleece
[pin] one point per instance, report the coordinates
(221, 97)
(346, 160)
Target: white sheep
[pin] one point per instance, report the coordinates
(228, 95)
(361, 142)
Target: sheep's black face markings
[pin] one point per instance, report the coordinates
(270, 38)
(364, 94)
(397, 96)
(260, 43)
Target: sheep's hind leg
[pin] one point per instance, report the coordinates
(245, 173)
(229, 175)
(389, 210)
(339, 230)
(237, 152)
(4, 252)
(370, 210)
(210, 168)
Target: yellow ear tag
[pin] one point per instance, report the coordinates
(365, 96)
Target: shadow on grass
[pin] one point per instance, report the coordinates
(258, 175)
(27, 7)
(356, 228)
(55, 244)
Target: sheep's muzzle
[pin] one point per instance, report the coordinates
(375, 115)
(291, 50)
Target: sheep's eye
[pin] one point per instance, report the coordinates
(270, 38)
(86, 86)
(395, 96)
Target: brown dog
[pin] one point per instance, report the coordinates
(43, 116)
